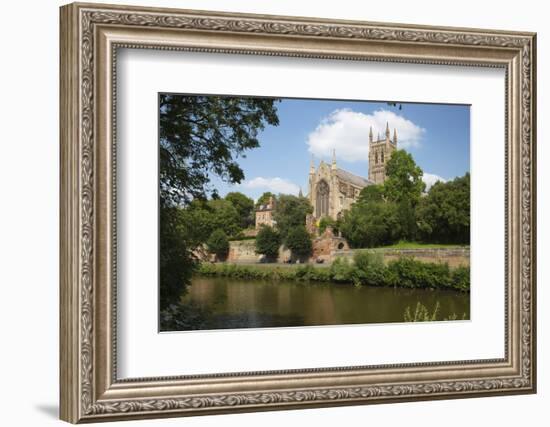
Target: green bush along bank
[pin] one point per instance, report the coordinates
(367, 269)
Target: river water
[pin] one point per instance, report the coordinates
(230, 303)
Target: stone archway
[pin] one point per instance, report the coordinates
(322, 199)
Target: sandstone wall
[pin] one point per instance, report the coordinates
(452, 256)
(326, 248)
(242, 251)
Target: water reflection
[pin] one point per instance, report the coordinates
(254, 304)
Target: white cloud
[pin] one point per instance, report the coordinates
(430, 179)
(275, 185)
(347, 132)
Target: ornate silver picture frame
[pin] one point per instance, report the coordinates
(91, 34)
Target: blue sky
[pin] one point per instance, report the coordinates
(437, 136)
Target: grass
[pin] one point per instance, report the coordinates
(367, 269)
(402, 244)
(421, 313)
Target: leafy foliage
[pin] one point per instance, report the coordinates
(404, 179)
(264, 198)
(176, 261)
(221, 214)
(399, 209)
(444, 214)
(370, 268)
(181, 317)
(371, 224)
(341, 270)
(327, 221)
(200, 136)
(399, 273)
(410, 273)
(201, 218)
(460, 278)
(371, 194)
(268, 241)
(298, 241)
(404, 186)
(366, 260)
(290, 212)
(244, 206)
(218, 243)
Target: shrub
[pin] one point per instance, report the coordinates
(461, 278)
(298, 241)
(218, 243)
(364, 260)
(376, 275)
(268, 241)
(305, 272)
(367, 270)
(341, 270)
(411, 273)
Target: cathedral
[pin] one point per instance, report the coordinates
(333, 190)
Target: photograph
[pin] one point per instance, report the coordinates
(289, 212)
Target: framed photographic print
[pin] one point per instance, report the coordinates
(265, 212)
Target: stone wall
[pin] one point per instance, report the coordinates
(245, 251)
(452, 256)
(242, 251)
(328, 247)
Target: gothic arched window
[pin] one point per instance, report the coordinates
(321, 205)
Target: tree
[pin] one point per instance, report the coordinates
(298, 241)
(200, 218)
(196, 220)
(224, 216)
(176, 261)
(200, 137)
(290, 211)
(404, 186)
(218, 244)
(244, 206)
(264, 198)
(204, 135)
(268, 241)
(372, 224)
(404, 179)
(371, 193)
(444, 213)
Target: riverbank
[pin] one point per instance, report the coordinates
(366, 270)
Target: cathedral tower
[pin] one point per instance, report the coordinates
(380, 152)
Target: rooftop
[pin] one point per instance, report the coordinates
(357, 180)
